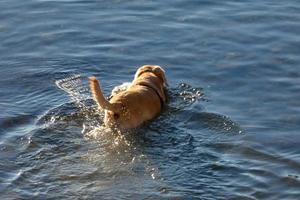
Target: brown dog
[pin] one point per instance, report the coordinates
(140, 102)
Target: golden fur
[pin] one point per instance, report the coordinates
(140, 102)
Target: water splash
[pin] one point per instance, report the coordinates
(190, 94)
(75, 88)
(183, 96)
(113, 151)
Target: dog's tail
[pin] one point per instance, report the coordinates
(98, 95)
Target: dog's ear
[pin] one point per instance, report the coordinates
(141, 70)
(158, 71)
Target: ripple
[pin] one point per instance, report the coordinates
(213, 121)
(15, 121)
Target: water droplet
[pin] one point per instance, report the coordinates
(153, 176)
(83, 128)
(133, 159)
(52, 120)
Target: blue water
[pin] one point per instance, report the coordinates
(229, 131)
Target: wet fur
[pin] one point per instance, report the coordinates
(141, 101)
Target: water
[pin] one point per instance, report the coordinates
(229, 131)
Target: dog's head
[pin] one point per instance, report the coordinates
(155, 69)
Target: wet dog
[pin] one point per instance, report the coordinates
(142, 101)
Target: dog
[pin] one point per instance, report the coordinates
(142, 101)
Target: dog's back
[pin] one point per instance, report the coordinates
(142, 101)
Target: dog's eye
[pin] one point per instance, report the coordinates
(116, 115)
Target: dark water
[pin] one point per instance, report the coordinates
(230, 130)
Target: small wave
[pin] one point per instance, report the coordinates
(213, 121)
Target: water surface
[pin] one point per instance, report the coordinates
(229, 131)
